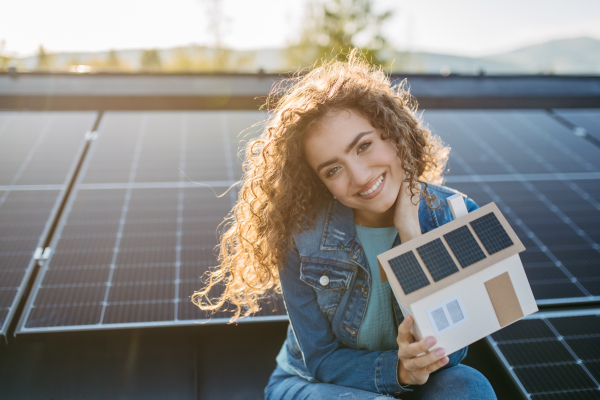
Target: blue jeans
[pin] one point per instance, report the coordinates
(459, 382)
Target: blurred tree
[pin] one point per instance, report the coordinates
(331, 27)
(112, 61)
(219, 59)
(150, 61)
(45, 60)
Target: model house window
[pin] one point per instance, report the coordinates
(447, 315)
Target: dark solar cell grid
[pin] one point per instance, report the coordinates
(79, 314)
(585, 394)
(139, 312)
(542, 352)
(594, 368)
(408, 272)
(586, 348)
(39, 148)
(524, 330)
(554, 378)
(464, 246)
(20, 231)
(437, 259)
(589, 119)
(555, 354)
(491, 233)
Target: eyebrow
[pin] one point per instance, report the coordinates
(348, 149)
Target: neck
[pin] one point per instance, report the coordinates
(374, 220)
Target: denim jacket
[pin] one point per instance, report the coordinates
(326, 314)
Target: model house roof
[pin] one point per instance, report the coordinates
(452, 252)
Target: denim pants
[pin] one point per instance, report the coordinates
(456, 383)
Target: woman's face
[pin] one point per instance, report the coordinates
(361, 169)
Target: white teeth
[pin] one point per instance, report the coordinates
(373, 188)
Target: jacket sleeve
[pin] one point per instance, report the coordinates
(325, 357)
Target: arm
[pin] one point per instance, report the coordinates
(324, 356)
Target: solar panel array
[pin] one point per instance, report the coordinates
(38, 154)
(437, 259)
(464, 246)
(545, 180)
(137, 233)
(408, 272)
(553, 355)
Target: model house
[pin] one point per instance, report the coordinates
(463, 280)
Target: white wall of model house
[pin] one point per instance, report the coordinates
(480, 316)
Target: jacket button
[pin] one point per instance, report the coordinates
(324, 280)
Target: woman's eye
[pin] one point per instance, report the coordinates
(364, 146)
(332, 171)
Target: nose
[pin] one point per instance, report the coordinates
(359, 174)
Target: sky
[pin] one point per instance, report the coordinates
(461, 27)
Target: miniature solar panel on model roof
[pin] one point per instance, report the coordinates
(461, 305)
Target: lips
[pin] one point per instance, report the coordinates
(372, 188)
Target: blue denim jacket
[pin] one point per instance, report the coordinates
(326, 315)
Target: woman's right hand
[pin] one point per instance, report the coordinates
(414, 369)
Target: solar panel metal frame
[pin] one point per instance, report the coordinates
(60, 198)
(539, 315)
(21, 329)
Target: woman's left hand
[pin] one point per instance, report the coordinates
(406, 215)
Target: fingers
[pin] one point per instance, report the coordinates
(431, 368)
(409, 350)
(404, 335)
(426, 360)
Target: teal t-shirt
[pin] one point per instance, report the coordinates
(378, 330)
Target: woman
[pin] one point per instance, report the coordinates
(339, 176)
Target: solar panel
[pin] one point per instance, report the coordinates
(491, 233)
(546, 182)
(464, 246)
(437, 260)
(408, 272)
(553, 355)
(38, 154)
(589, 119)
(140, 226)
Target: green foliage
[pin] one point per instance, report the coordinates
(150, 61)
(332, 27)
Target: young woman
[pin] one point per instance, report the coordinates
(339, 175)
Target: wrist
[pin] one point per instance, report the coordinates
(408, 233)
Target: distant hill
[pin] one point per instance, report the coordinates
(565, 56)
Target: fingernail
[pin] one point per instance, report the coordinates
(439, 352)
(445, 360)
(431, 341)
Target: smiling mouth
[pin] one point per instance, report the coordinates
(373, 188)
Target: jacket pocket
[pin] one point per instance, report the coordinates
(330, 281)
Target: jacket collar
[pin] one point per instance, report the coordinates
(339, 232)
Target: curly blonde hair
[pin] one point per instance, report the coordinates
(280, 193)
